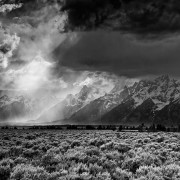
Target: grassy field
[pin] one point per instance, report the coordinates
(101, 155)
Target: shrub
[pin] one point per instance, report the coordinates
(131, 164)
(75, 143)
(6, 138)
(20, 160)
(85, 176)
(122, 147)
(122, 174)
(30, 153)
(96, 142)
(16, 151)
(18, 142)
(30, 137)
(54, 176)
(29, 172)
(7, 162)
(103, 176)
(50, 161)
(171, 171)
(77, 155)
(149, 172)
(95, 169)
(28, 144)
(3, 153)
(65, 146)
(4, 172)
(92, 151)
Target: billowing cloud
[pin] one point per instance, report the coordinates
(28, 35)
(5, 8)
(8, 44)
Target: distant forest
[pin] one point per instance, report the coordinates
(140, 128)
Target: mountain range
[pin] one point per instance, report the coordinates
(150, 102)
(154, 101)
(15, 109)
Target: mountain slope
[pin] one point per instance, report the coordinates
(93, 112)
(144, 102)
(143, 113)
(118, 114)
(71, 104)
(170, 114)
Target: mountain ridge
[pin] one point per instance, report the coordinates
(154, 101)
(143, 102)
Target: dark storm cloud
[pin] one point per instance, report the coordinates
(149, 43)
(122, 54)
(139, 16)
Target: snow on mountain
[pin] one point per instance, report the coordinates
(162, 90)
(93, 112)
(101, 100)
(151, 99)
(94, 86)
(133, 104)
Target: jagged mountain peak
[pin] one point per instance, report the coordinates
(85, 89)
(149, 100)
(161, 86)
(156, 81)
(86, 93)
(163, 78)
(5, 98)
(116, 88)
(177, 100)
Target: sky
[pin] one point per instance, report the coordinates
(50, 46)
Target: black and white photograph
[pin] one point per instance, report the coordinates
(89, 89)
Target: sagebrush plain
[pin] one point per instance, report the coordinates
(83, 154)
